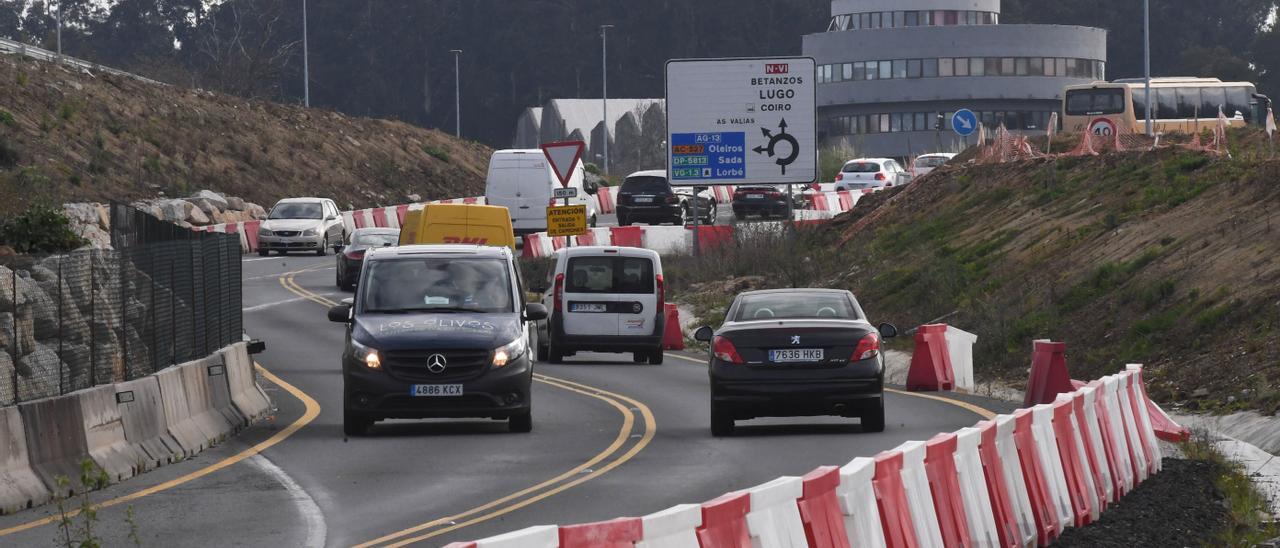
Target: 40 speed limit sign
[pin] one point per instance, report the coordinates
(1102, 127)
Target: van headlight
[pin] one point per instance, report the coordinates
(309, 232)
(366, 355)
(509, 352)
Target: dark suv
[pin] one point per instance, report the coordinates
(647, 197)
(437, 331)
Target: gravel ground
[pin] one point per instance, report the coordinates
(1177, 507)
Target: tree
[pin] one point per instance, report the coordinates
(241, 48)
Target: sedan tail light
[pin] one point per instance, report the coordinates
(559, 292)
(868, 347)
(624, 199)
(775, 195)
(355, 255)
(725, 351)
(880, 176)
(672, 199)
(840, 176)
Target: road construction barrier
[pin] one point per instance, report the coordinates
(675, 527)
(857, 497)
(212, 424)
(55, 440)
(1164, 427)
(960, 351)
(673, 336)
(178, 414)
(104, 434)
(541, 536)
(249, 399)
(1013, 482)
(1137, 395)
(618, 533)
(1048, 373)
(142, 413)
(931, 368)
(215, 379)
(774, 520)
(20, 487)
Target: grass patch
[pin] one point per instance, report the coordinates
(437, 153)
(1247, 509)
(7, 119)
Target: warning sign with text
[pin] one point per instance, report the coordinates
(567, 220)
(741, 121)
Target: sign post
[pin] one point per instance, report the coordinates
(741, 122)
(564, 157)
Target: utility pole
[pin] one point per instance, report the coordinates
(457, 92)
(306, 62)
(1146, 60)
(59, 30)
(604, 73)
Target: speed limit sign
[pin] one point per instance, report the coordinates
(1102, 127)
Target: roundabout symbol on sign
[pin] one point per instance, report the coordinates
(782, 135)
(1102, 127)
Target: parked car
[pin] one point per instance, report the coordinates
(867, 173)
(437, 331)
(604, 299)
(522, 181)
(766, 200)
(926, 163)
(301, 224)
(796, 352)
(648, 197)
(351, 254)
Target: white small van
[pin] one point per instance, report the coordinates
(522, 181)
(604, 299)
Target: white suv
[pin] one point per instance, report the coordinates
(604, 299)
(865, 173)
(301, 224)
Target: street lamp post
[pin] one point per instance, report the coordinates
(1146, 59)
(59, 29)
(306, 62)
(457, 92)
(604, 101)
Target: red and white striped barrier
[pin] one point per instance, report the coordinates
(774, 520)
(857, 497)
(675, 527)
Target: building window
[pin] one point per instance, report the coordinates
(886, 70)
(911, 19)
(1021, 65)
(930, 68)
(946, 67)
(962, 66)
(913, 68)
(899, 68)
(1035, 66)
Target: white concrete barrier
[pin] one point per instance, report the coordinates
(1142, 419)
(1014, 480)
(1051, 464)
(1119, 440)
(55, 440)
(1140, 462)
(20, 487)
(915, 481)
(1076, 445)
(857, 498)
(213, 424)
(1093, 430)
(539, 536)
(177, 414)
(104, 433)
(246, 395)
(973, 488)
(675, 527)
(774, 520)
(960, 347)
(142, 412)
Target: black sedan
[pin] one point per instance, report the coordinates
(796, 352)
(765, 200)
(351, 256)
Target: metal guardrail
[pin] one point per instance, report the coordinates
(26, 50)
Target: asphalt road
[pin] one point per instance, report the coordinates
(610, 438)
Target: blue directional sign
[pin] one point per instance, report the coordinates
(700, 156)
(964, 122)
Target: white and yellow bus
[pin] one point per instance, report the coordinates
(1178, 104)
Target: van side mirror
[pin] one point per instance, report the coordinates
(340, 313)
(590, 187)
(703, 334)
(888, 331)
(534, 312)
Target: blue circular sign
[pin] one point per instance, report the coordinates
(964, 122)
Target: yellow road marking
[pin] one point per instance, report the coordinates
(983, 412)
(535, 493)
(312, 411)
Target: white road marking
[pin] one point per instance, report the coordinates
(312, 517)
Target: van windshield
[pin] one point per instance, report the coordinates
(436, 284)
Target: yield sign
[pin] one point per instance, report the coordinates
(564, 157)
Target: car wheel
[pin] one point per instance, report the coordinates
(592, 224)
(324, 247)
(543, 351)
(655, 357)
(711, 215)
(554, 353)
(873, 418)
(522, 423)
(721, 421)
(354, 424)
(623, 221)
(264, 252)
(639, 357)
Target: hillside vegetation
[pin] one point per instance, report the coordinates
(71, 136)
(1168, 258)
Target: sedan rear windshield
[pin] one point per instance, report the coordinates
(296, 210)
(376, 238)
(437, 284)
(646, 185)
(861, 167)
(796, 305)
(631, 275)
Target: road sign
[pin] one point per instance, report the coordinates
(1103, 127)
(567, 220)
(558, 193)
(964, 122)
(564, 157)
(741, 121)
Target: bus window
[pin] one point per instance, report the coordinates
(1188, 102)
(1167, 99)
(1238, 101)
(1211, 99)
(1140, 103)
(1095, 101)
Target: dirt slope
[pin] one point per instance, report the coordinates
(71, 136)
(1168, 258)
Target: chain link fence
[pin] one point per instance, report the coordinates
(164, 295)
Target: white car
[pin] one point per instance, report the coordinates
(523, 182)
(865, 173)
(926, 163)
(604, 299)
(301, 224)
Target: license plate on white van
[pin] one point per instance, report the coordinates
(587, 307)
(796, 355)
(435, 390)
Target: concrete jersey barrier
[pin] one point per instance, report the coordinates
(145, 426)
(246, 395)
(20, 487)
(55, 440)
(177, 414)
(104, 434)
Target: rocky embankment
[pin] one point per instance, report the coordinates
(92, 220)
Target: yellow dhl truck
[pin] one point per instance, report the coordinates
(458, 224)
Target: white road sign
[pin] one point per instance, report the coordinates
(741, 121)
